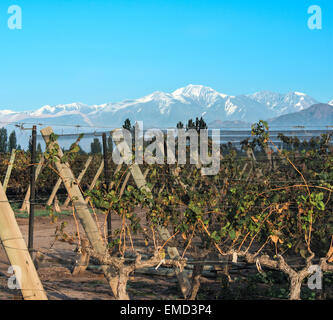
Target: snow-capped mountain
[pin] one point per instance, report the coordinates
(283, 103)
(166, 109)
(161, 109)
(331, 103)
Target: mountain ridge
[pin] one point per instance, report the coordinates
(167, 109)
(320, 114)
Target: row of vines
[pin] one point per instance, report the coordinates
(267, 206)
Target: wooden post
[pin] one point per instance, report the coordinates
(82, 209)
(56, 206)
(79, 179)
(9, 169)
(25, 204)
(57, 186)
(17, 252)
(33, 189)
(54, 192)
(93, 183)
(107, 183)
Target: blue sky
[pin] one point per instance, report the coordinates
(106, 51)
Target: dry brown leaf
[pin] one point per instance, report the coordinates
(275, 239)
(254, 219)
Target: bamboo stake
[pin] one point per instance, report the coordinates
(81, 208)
(17, 252)
(9, 169)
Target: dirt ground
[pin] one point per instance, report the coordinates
(58, 258)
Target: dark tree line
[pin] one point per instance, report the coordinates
(7, 144)
(197, 124)
(96, 146)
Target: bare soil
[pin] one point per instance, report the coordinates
(56, 264)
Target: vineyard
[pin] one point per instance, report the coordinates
(261, 228)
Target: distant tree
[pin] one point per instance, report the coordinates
(30, 145)
(95, 147)
(3, 140)
(39, 148)
(127, 124)
(190, 125)
(202, 124)
(110, 144)
(19, 147)
(12, 143)
(180, 125)
(197, 124)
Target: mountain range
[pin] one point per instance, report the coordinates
(161, 109)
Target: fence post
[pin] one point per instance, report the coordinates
(17, 252)
(32, 189)
(82, 210)
(9, 169)
(107, 183)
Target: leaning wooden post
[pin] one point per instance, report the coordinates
(54, 192)
(82, 210)
(25, 204)
(9, 169)
(93, 183)
(57, 186)
(17, 252)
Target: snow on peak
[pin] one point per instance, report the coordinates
(283, 103)
(43, 110)
(157, 95)
(193, 90)
(299, 93)
(60, 109)
(331, 103)
(199, 93)
(7, 112)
